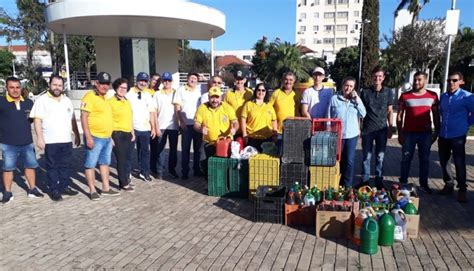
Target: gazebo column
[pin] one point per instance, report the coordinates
(108, 56)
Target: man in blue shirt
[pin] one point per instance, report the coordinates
(455, 106)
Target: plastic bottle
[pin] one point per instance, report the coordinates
(369, 236)
(309, 199)
(410, 208)
(387, 229)
(291, 197)
(400, 233)
(359, 220)
(330, 193)
(296, 187)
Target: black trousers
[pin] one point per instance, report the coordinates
(456, 146)
(123, 147)
(58, 165)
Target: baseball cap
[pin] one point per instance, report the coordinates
(167, 76)
(215, 91)
(103, 78)
(239, 75)
(318, 70)
(143, 76)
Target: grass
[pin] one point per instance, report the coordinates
(471, 131)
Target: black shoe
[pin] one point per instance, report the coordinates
(35, 193)
(425, 189)
(447, 189)
(56, 196)
(174, 174)
(69, 192)
(146, 178)
(7, 197)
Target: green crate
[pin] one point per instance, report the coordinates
(227, 177)
(217, 176)
(238, 178)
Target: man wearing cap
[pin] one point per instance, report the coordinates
(97, 125)
(316, 99)
(239, 95)
(144, 122)
(214, 81)
(215, 119)
(54, 120)
(168, 123)
(186, 101)
(16, 140)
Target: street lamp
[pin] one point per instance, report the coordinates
(366, 21)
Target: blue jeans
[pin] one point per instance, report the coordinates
(190, 135)
(58, 165)
(143, 151)
(423, 141)
(456, 146)
(347, 160)
(10, 154)
(380, 138)
(172, 137)
(100, 154)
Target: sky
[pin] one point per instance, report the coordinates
(248, 20)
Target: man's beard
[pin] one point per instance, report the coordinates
(56, 93)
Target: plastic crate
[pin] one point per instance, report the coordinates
(323, 150)
(297, 215)
(291, 173)
(296, 135)
(269, 208)
(227, 177)
(263, 170)
(330, 125)
(324, 177)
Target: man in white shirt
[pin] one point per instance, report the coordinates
(168, 123)
(316, 99)
(143, 110)
(186, 101)
(54, 120)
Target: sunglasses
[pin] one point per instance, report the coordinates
(452, 80)
(262, 90)
(216, 82)
(140, 95)
(166, 80)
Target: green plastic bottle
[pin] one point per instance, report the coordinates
(410, 209)
(386, 229)
(369, 236)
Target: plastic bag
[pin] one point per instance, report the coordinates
(248, 152)
(235, 150)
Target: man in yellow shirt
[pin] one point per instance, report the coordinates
(239, 95)
(285, 100)
(97, 125)
(214, 119)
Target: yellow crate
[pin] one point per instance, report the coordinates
(263, 170)
(324, 177)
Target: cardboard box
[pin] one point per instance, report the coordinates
(413, 225)
(333, 224)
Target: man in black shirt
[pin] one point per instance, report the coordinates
(16, 139)
(377, 125)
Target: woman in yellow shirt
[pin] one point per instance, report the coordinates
(258, 120)
(122, 135)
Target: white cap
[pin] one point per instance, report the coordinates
(318, 69)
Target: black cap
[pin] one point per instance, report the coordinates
(239, 75)
(103, 78)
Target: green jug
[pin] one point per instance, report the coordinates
(369, 236)
(387, 229)
(410, 209)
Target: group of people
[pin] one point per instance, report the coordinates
(151, 114)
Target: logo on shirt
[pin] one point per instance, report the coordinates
(224, 119)
(83, 105)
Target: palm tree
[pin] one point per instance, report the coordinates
(414, 6)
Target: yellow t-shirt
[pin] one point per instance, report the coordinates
(259, 119)
(121, 114)
(218, 121)
(285, 105)
(150, 91)
(100, 114)
(236, 99)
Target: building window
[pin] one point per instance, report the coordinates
(343, 14)
(357, 1)
(303, 2)
(343, 1)
(302, 41)
(355, 40)
(328, 41)
(315, 27)
(328, 27)
(341, 27)
(302, 28)
(328, 15)
(341, 40)
(249, 58)
(356, 26)
(303, 15)
(316, 2)
(316, 15)
(329, 2)
(356, 13)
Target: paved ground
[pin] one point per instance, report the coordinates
(174, 225)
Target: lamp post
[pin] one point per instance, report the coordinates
(366, 21)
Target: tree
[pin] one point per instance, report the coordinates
(192, 59)
(414, 6)
(81, 53)
(346, 64)
(462, 55)
(6, 60)
(30, 27)
(370, 49)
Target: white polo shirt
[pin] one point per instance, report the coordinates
(56, 118)
(141, 109)
(189, 100)
(165, 109)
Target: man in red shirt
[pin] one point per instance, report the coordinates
(414, 127)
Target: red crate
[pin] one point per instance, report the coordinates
(296, 215)
(330, 125)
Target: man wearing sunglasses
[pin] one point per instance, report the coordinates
(144, 121)
(455, 106)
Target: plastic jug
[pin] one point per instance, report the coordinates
(309, 199)
(359, 220)
(410, 209)
(387, 229)
(369, 236)
(223, 147)
(400, 233)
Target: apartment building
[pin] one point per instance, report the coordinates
(326, 26)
